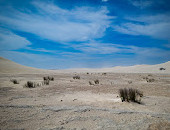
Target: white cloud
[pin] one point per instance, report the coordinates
(105, 0)
(11, 41)
(60, 25)
(141, 55)
(159, 30)
(150, 19)
(156, 26)
(141, 3)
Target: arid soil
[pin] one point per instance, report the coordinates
(73, 104)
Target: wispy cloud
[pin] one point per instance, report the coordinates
(156, 26)
(141, 3)
(11, 41)
(105, 0)
(60, 25)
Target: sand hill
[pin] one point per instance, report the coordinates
(7, 66)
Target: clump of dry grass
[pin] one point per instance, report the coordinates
(76, 77)
(162, 68)
(30, 84)
(46, 82)
(96, 81)
(91, 83)
(14, 81)
(130, 94)
(49, 78)
(129, 82)
(150, 80)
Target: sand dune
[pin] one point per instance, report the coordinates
(129, 69)
(7, 66)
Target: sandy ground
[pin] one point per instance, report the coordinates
(73, 104)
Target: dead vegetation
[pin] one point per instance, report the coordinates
(130, 94)
(49, 78)
(96, 81)
(30, 84)
(14, 81)
(76, 77)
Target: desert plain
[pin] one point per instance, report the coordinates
(74, 104)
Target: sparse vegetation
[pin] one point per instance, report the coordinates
(91, 83)
(162, 68)
(51, 78)
(87, 73)
(76, 77)
(14, 81)
(30, 84)
(104, 73)
(129, 82)
(96, 81)
(48, 78)
(130, 94)
(150, 80)
(47, 82)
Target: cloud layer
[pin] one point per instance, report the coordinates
(11, 41)
(60, 25)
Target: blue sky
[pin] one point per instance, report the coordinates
(60, 34)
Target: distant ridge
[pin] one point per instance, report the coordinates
(8, 66)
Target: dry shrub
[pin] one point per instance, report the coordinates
(162, 68)
(129, 82)
(130, 94)
(14, 81)
(76, 77)
(96, 81)
(91, 83)
(150, 80)
(49, 78)
(104, 73)
(47, 82)
(30, 84)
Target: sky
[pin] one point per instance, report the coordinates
(62, 34)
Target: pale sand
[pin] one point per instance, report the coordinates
(7, 66)
(75, 105)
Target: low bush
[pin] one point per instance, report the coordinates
(14, 81)
(162, 68)
(91, 83)
(30, 84)
(150, 80)
(46, 82)
(130, 94)
(129, 82)
(48, 78)
(104, 73)
(51, 78)
(76, 77)
(96, 81)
